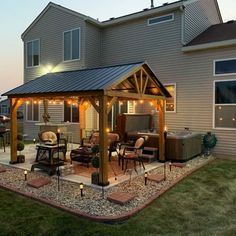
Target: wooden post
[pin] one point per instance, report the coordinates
(82, 120)
(161, 109)
(13, 108)
(103, 144)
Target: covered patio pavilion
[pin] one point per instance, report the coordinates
(102, 87)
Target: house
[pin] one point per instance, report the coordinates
(4, 107)
(186, 44)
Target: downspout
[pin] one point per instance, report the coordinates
(182, 10)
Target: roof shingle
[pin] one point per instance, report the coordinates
(216, 33)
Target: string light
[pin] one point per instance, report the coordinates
(219, 108)
(233, 119)
(27, 102)
(141, 101)
(221, 119)
(151, 103)
(121, 103)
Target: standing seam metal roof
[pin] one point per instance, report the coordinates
(75, 81)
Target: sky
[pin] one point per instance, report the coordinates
(17, 15)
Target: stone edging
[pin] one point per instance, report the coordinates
(111, 219)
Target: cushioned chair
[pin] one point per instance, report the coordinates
(84, 154)
(132, 153)
(49, 138)
(113, 139)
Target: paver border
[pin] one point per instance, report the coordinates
(107, 219)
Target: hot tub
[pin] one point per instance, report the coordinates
(180, 146)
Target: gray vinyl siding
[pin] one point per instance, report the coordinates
(93, 46)
(198, 16)
(57, 116)
(136, 41)
(49, 29)
(160, 46)
(193, 75)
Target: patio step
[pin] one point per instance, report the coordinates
(120, 197)
(39, 182)
(156, 178)
(2, 170)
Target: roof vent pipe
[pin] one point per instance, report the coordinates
(152, 5)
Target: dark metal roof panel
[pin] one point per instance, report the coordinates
(75, 81)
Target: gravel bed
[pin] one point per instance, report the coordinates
(94, 201)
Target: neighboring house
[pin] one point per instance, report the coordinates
(185, 43)
(4, 107)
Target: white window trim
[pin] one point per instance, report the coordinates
(157, 23)
(26, 114)
(214, 67)
(175, 110)
(77, 59)
(26, 57)
(213, 105)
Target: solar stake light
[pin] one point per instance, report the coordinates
(81, 187)
(145, 178)
(25, 173)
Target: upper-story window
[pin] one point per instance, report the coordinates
(171, 102)
(72, 45)
(225, 104)
(32, 51)
(161, 19)
(225, 67)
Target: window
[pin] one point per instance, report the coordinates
(161, 19)
(225, 104)
(118, 108)
(32, 111)
(171, 102)
(4, 109)
(224, 67)
(71, 113)
(32, 51)
(72, 45)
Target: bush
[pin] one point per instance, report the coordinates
(20, 137)
(95, 162)
(20, 145)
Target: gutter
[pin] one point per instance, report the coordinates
(205, 46)
(138, 15)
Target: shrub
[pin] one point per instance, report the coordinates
(95, 162)
(20, 137)
(20, 145)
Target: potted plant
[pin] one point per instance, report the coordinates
(95, 164)
(209, 142)
(20, 147)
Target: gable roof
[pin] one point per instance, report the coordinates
(145, 12)
(51, 4)
(87, 80)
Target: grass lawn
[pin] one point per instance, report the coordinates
(203, 204)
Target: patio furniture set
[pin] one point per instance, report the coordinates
(51, 151)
